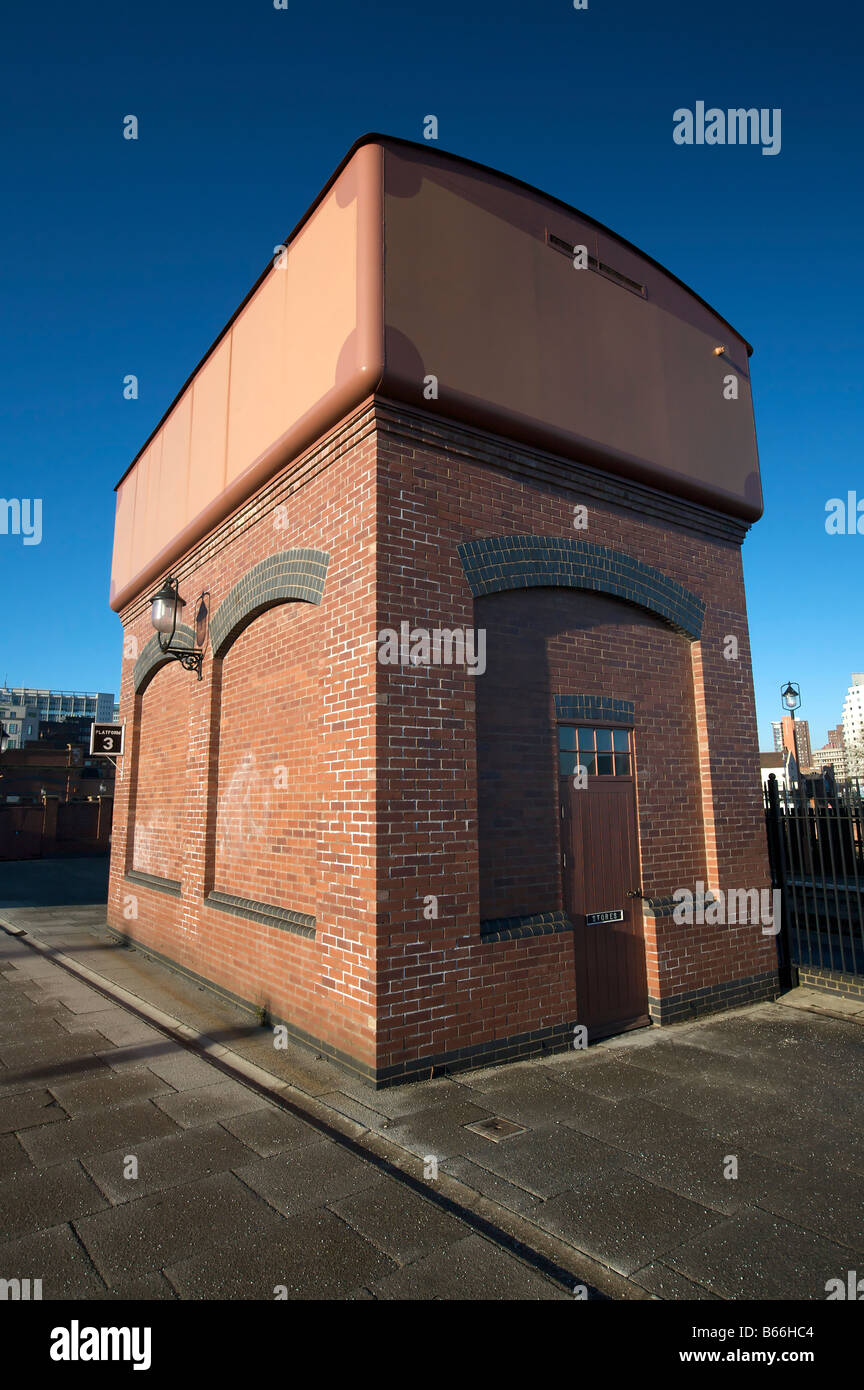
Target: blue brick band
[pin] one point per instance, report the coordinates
(594, 709)
(514, 928)
(291, 574)
(283, 918)
(498, 563)
(153, 657)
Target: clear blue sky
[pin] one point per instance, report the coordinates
(122, 256)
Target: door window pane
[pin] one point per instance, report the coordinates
(602, 752)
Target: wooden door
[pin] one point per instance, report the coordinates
(600, 867)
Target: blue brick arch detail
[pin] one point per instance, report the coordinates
(290, 574)
(594, 709)
(498, 563)
(153, 657)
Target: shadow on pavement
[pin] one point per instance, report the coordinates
(53, 882)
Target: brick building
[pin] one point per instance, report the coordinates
(462, 487)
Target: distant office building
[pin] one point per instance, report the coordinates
(58, 733)
(835, 737)
(24, 708)
(20, 724)
(832, 756)
(777, 731)
(59, 704)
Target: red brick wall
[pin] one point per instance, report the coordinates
(267, 806)
(443, 988)
(159, 824)
(543, 642)
(381, 809)
(296, 688)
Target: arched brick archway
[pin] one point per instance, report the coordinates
(153, 658)
(291, 575)
(496, 563)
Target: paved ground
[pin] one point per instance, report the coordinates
(618, 1178)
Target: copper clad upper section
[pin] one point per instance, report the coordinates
(414, 264)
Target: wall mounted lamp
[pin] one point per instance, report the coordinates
(166, 612)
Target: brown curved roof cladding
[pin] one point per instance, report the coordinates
(413, 263)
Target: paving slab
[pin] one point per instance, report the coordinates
(126, 1125)
(30, 1054)
(44, 1074)
(364, 1115)
(757, 1256)
(321, 1172)
(125, 1029)
(546, 1162)
(827, 1203)
(622, 1221)
(26, 1109)
(107, 1089)
(658, 1279)
(13, 1157)
(34, 1201)
(314, 1256)
(488, 1184)
(269, 1131)
(207, 1103)
(55, 1256)
(396, 1102)
(148, 1057)
(169, 1162)
(399, 1222)
(171, 1226)
(440, 1130)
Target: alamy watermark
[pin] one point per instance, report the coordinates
(736, 907)
(22, 516)
(732, 127)
(437, 646)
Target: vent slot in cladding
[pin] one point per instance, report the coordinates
(600, 267)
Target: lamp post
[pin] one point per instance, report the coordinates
(791, 697)
(166, 612)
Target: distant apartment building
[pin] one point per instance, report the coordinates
(23, 709)
(853, 724)
(793, 736)
(802, 743)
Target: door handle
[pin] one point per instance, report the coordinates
(634, 893)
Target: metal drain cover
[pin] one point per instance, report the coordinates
(497, 1129)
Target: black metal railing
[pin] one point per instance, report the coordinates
(816, 847)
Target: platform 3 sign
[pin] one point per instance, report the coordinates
(107, 739)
